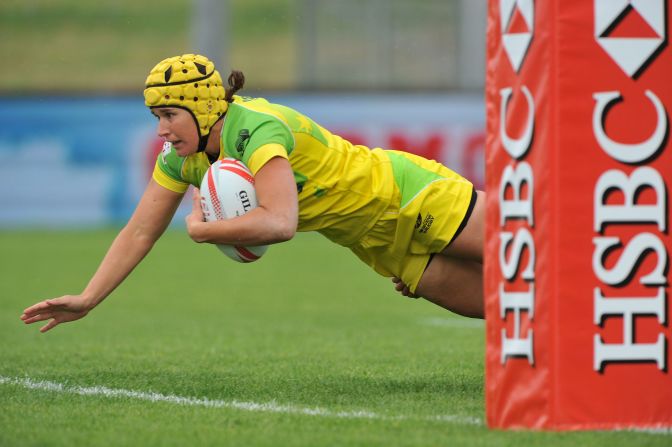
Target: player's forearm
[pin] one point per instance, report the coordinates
(123, 256)
(258, 227)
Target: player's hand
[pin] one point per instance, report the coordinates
(195, 218)
(58, 310)
(402, 288)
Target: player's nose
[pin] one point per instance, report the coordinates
(162, 129)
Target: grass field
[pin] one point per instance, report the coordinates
(305, 347)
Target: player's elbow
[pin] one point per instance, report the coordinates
(284, 229)
(140, 236)
(285, 232)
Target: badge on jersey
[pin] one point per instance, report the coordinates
(167, 147)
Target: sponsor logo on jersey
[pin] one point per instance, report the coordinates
(241, 142)
(167, 147)
(425, 225)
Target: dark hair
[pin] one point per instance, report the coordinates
(236, 82)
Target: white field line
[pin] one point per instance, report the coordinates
(268, 407)
(457, 323)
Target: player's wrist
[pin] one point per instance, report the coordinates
(90, 300)
(197, 230)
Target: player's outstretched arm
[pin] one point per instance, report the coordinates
(150, 219)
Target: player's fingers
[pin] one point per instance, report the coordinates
(402, 288)
(196, 196)
(49, 326)
(35, 308)
(197, 206)
(58, 303)
(39, 317)
(407, 293)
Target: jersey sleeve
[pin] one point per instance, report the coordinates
(271, 139)
(263, 154)
(167, 170)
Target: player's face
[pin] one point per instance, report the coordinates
(178, 127)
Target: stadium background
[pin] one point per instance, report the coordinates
(393, 74)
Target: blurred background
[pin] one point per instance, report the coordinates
(77, 144)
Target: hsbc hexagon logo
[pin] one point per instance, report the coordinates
(630, 53)
(517, 22)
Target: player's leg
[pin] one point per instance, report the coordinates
(454, 284)
(469, 243)
(453, 279)
(447, 218)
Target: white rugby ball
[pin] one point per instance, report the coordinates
(227, 191)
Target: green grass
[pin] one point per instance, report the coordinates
(308, 326)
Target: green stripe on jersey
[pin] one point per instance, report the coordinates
(410, 178)
(300, 123)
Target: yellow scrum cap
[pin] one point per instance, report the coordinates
(189, 82)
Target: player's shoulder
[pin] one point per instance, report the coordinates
(258, 110)
(253, 123)
(254, 116)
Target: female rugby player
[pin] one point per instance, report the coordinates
(409, 218)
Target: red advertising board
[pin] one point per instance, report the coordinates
(578, 163)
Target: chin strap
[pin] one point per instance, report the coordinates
(202, 143)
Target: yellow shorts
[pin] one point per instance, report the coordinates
(430, 206)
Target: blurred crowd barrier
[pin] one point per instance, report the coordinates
(347, 44)
(109, 46)
(77, 149)
(83, 162)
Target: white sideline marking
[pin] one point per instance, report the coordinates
(652, 431)
(467, 323)
(269, 407)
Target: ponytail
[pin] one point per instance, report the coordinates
(236, 82)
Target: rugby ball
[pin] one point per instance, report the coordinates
(227, 191)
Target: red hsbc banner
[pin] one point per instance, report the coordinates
(578, 163)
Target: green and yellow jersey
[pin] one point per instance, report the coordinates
(392, 209)
(343, 188)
